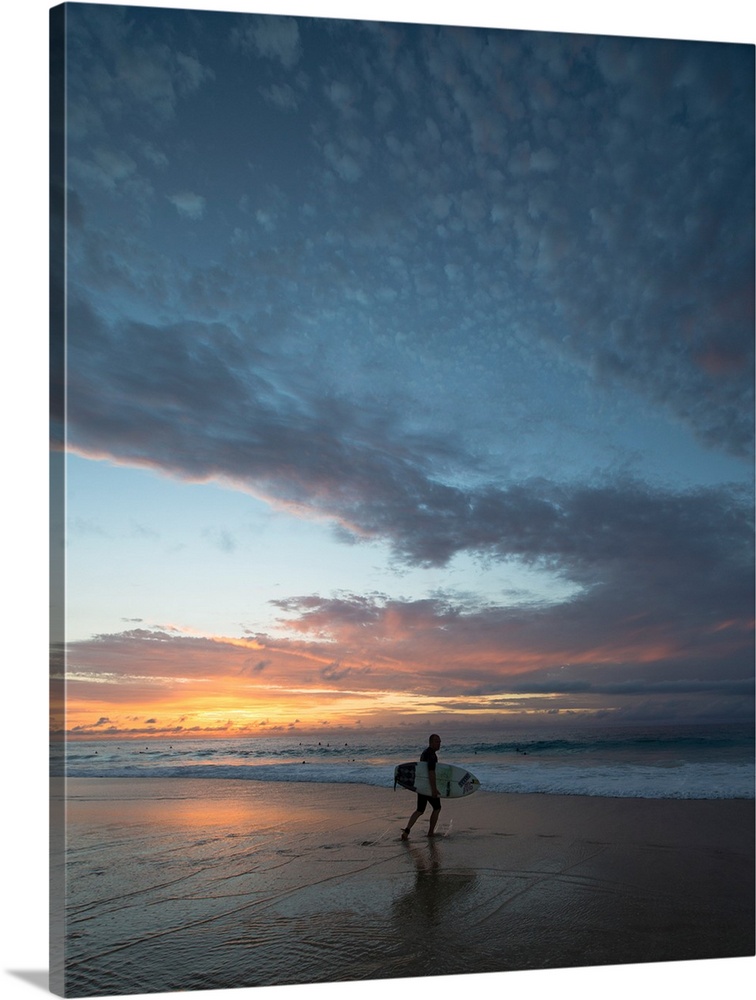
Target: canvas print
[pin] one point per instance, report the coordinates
(402, 479)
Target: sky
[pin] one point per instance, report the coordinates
(408, 376)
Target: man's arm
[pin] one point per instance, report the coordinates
(432, 778)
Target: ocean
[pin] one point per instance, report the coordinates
(654, 762)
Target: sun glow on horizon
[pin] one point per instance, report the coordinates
(295, 709)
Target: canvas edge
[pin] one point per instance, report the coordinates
(57, 71)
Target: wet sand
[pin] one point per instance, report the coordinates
(192, 884)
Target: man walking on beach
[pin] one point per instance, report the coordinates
(430, 756)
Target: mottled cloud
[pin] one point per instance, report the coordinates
(274, 38)
(131, 71)
(188, 204)
(457, 148)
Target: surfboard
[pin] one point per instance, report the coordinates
(452, 781)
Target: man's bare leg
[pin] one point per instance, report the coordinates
(410, 823)
(433, 820)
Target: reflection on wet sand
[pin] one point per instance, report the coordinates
(427, 915)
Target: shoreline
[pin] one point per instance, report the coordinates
(320, 783)
(197, 884)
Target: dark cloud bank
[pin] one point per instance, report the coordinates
(672, 567)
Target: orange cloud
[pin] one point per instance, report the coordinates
(368, 658)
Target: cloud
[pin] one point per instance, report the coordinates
(343, 163)
(275, 38)
(188, 205)
(622, 270)
(196, 401)
(603, 650)
(600, 642)
(740, 688)
(335, 672)
(108, 168)
(122, 66)
(642, 277)
(220, 539)
(282, 96)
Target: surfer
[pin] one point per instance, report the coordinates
(430, 756)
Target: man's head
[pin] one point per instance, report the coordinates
(434, 741)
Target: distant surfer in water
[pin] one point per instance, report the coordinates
(430, 756)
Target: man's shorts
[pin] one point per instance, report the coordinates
(423, 800)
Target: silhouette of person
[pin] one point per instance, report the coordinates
(430, 756)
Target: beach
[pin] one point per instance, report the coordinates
(188, 884)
